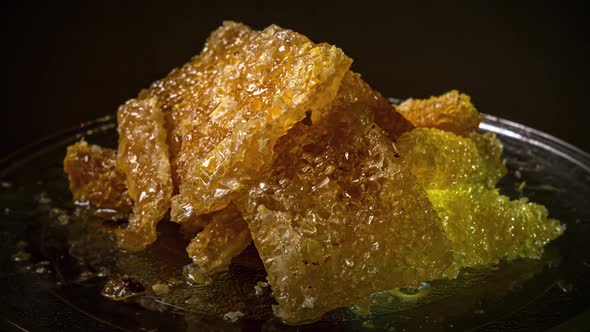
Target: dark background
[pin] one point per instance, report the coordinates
(526, 62)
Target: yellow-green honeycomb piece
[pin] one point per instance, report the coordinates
(459, 175)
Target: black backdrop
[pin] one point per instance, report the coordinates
(527, 62)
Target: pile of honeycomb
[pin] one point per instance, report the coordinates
(266, 137)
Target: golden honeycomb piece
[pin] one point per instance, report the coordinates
(459, 175)
(452, 111)
(94, 178)
(339, 217)
(144, 159)
(226, 108)
(223, 237)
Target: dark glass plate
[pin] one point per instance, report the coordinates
(54, 260)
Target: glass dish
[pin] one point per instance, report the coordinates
(46, 287)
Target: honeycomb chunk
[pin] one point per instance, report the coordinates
(94, 178)
(227, 107)
(143, 157)
(459, 175)
(484, 226)
(224, 236)
(452, 111)
(338, 217)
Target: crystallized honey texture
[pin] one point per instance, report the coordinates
(338, 216)
(452, 111)
(143, 157)
(440, 159)
(484, 226)
(224, 236)
(94, 177)
(459, 175)
(227, 107)
(355, 90)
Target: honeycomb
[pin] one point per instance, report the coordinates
(226, 108)
(452, 111)
(144, 159)
(459, 175)
(339, 217)
(223, 237)
(268, 137)
(485, 226)
(94, 178)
